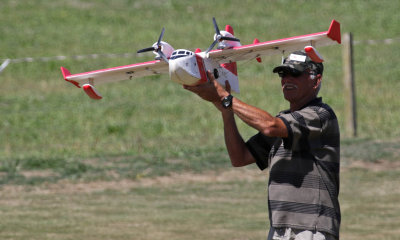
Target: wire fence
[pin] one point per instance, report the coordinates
(375, 42)
(6, 62)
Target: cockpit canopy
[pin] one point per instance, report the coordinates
(180, 53)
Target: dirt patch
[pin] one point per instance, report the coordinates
(38, 173)
(248, 174)
(382, 165)
(66, 186)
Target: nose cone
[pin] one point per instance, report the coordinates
(184, 71)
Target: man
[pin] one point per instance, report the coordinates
(300, 146)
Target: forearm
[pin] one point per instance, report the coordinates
(237, 149)
(259, 119)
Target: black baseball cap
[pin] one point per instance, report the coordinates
(299, 61)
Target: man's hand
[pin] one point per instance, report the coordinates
(211, 91)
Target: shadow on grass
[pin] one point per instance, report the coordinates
(359, 153)
(107, 168)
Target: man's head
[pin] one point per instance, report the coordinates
(298, 62)
(301, 78)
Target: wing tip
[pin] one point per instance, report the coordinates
(65, 74)
(334, 31)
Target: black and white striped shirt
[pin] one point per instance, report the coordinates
(303, 184)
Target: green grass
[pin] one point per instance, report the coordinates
(47, 123)
(115, 167)
(51, 132)
(216, 205)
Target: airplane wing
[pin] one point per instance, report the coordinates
(253, 51)
(116, 74)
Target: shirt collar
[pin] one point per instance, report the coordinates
(315, 101)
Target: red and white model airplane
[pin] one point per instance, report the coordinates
(189, 68)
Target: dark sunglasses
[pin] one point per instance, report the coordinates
(290, 73)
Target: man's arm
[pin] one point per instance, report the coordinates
(254, 117)
(237, 149)
(259, 119)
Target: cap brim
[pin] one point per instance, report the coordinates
(279, 69)
(283, 68)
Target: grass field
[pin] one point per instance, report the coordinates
(52, 136)
(212, 205)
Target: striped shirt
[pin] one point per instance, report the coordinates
(303, 185)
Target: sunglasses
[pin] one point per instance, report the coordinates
(290, 73)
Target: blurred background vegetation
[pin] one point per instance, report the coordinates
(151, 126)
(74, 168)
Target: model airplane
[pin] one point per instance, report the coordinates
(189, 68)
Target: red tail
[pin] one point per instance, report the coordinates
(229, 29)
(232, 67)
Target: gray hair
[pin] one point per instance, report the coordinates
(313, 75)
(318, 88)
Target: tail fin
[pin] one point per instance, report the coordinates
(232, 67)
(229, 29)
(222, 72)
(230, 75)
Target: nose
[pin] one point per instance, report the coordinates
(286, 79)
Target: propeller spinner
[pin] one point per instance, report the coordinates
(156, 47)
(218, 37)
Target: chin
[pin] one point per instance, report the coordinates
(289, 97)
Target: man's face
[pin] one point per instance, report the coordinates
(297, 88)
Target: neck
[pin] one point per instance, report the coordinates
(297, 105)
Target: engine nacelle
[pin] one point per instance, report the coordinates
(166, 48)
(225, 44)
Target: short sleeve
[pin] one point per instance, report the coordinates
(304, 129)
(259, 146)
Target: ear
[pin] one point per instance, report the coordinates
(317, 81)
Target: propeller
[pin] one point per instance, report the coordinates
(156, 47)
(219, 37)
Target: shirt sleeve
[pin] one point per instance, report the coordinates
(259, 146)
(304, 129)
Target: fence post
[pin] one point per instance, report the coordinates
(349, 86)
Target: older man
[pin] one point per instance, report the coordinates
(300, 146)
